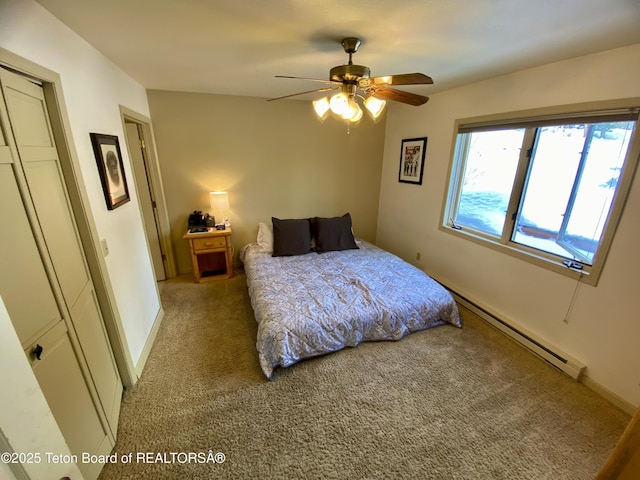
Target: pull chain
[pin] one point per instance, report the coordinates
(573, 300)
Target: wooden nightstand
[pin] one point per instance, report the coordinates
(211, 255)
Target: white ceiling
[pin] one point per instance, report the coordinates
(236, 47)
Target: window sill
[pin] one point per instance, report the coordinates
(587, 275)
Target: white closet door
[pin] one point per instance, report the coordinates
(48, 290)
(38, 319)
(23, 280)
(37, 152)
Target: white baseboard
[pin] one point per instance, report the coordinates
(607, 394)
(547, 352)
(144, 355)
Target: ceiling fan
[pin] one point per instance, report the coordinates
(354, 82)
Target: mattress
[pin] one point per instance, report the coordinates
(313, 304)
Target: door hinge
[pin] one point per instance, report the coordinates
(142, 145)
(153, 204)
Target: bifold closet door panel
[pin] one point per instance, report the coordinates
(39, 158)
(23, 281)
(65, 250)
(99, 358)
(5, 152)
(64, 387)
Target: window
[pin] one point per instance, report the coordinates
(549, 189)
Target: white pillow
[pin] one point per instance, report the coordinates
(265, 236)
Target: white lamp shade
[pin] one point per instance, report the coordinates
(219, 200)
(346, 107)
(357, 115)
(351, 111)
(339, 104)
(374, 106)
(321, 107)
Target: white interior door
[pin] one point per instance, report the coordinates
(145, 194)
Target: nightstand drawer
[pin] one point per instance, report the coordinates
(209, 243)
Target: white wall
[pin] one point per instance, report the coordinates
(603, 328)
(93, 90)
(283, 162)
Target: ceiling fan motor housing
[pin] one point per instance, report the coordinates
(349, 73)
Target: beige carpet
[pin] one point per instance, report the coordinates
(445, 403)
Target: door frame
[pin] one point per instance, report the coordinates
(154, 181)
(74, 182)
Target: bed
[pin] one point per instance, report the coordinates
(324, 297)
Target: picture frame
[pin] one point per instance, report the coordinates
(109, 159)
(412, 155)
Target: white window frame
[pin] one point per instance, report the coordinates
(589, 274)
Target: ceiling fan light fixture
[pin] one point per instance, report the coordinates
(356, 112)
(321, 107)
(339, 104)
(356, 81)
(374, 106)
(351, 110)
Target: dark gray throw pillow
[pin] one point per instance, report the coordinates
(333, 234)
(291, 236)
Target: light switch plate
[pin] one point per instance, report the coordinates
(105, 247)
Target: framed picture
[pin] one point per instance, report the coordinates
(107, 151)
(412, 156)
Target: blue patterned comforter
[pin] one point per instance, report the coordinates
(313, 304)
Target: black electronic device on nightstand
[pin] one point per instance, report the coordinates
(197, 222)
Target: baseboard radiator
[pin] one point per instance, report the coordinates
(553, 355)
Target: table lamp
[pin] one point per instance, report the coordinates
(219, 203)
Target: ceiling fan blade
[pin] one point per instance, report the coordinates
(305, 78)
(400, 96)
(402, 79)
(302, 93)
